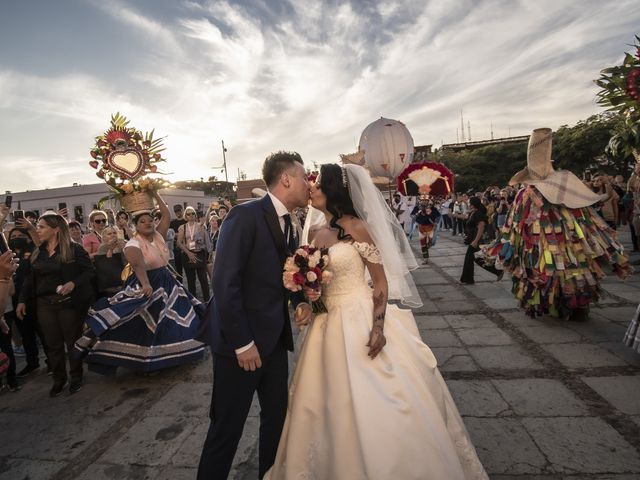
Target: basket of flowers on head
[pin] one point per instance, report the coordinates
(124, 158)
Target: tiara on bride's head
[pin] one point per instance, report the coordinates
(345, 179)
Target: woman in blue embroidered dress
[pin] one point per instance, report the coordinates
(151, 323)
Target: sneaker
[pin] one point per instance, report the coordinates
(57, 389)
(75, 386)
(27, 370)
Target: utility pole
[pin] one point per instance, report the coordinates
(461, 126)
(224, 163)
(224, 167)
(469, 129)
(491, 130)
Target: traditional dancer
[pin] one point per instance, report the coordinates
(427, 218)
(554, 244)
(151, 323)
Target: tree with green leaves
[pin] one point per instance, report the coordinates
(584, 146)
(620, 92)
(577, 148)
(477, 169)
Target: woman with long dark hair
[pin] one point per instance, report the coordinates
(60, 283)
(150, 324)
(475, 227)
(366, 399)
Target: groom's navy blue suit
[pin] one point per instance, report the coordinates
(249, 303)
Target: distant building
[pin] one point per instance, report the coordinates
(81, 199)
(246, 187)
(421, 152)
(457, 147)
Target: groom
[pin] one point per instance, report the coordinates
(248, 315)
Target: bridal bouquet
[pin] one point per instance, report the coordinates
(307, 268)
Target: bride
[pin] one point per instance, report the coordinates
(367, 400)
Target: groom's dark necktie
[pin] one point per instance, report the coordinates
(288, 233)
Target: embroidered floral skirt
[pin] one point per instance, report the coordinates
(140, 333)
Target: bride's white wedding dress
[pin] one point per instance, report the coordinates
(351, 417)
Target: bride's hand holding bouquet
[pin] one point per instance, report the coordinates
(306, 271)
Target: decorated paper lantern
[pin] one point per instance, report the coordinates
(387, 146)
(415, 179)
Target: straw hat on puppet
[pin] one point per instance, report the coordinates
(559, 187)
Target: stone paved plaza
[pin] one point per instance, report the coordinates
(542, 399)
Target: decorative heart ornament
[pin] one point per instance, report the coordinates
(127, 163)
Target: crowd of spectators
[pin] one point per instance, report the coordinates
(62, 267)
(479, 216)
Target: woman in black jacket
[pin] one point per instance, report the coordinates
(61, 284)
(474, 229)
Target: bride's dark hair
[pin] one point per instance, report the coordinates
(333, 184)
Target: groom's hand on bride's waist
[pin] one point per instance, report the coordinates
(249, 360)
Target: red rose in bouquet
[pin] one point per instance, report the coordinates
(307, 268)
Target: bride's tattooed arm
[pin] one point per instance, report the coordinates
(373, 261)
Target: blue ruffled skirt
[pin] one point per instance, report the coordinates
(140, 333)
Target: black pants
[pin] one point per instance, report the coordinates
(446, 220)
(61, 325)
(233, 391)
(468, 267)
(7, 348)
(458, 225)
(29, 330)
(634, 237)
(177, 258)
(201, 271)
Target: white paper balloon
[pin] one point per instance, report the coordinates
(388, 147)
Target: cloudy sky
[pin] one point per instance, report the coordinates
(265, 75)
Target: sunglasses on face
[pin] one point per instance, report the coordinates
(188, 214)
(100, 220)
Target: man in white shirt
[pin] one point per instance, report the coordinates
(405, 217)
